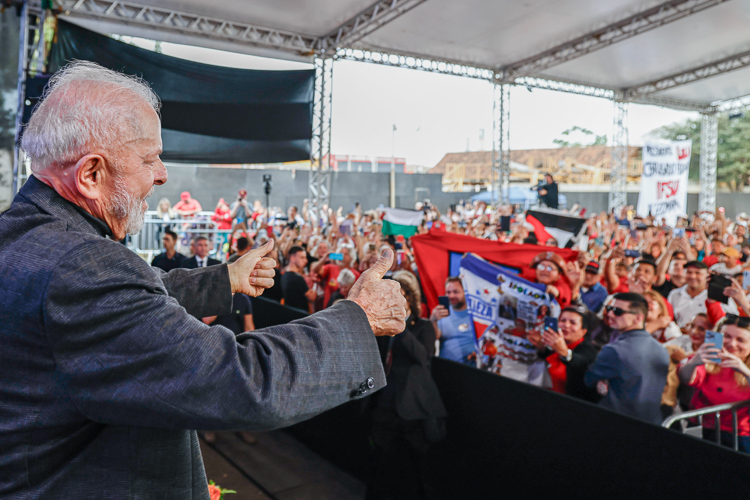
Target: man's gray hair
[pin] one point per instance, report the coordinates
(346, 278)
(84, 107)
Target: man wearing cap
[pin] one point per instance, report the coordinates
(729, 262)
(187, 206)
(689, 300)
(592, 292)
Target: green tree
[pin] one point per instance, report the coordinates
(599, 140)
(733, 152)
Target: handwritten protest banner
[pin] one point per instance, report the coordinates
(664, 180)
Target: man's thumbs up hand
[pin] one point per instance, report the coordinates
(253, 273)
(381, 299)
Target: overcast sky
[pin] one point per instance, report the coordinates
(436, 114)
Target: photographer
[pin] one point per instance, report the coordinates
(548, 192)
(240, 211)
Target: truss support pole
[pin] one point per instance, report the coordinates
(709, 143)
(618, 196)
(320, 144)
(500, 174)
(19, 168)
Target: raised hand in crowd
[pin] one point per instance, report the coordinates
(555, 341)
(575, 275)
(439, 313)
(535, 338)
(737, 293)
(735, 363)
(381, 299)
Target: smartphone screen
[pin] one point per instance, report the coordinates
(746, 280)
(550, 323)
(336, 256)
(505, 223)
(717, 340)
(445, 302)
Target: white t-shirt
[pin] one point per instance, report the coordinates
(686, 307)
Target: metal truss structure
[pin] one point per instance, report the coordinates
(319, 186)
(500, 174)
(413, 62)
(629, 27)
(32, 20)
(709, 144)
(570, 88)
(373, 18)
(724, 65)
(182, 22)
(619, 173)
(343, 43)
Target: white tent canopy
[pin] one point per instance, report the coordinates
(694, 52)
(684, 54)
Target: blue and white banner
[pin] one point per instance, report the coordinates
(504, 308)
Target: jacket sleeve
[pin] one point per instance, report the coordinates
(204, 291)
(126, 353)
(604, 368)
(583, 355)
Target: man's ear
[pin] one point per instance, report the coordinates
(90, 174)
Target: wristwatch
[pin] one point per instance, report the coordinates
(569, 356)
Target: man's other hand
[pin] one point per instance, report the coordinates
(253, 272)
(381, 299)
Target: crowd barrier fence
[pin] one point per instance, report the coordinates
(716, 410)
(148, 242)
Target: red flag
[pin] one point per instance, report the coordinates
(432, 252)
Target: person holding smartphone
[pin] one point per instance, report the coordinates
(723, 382)
(569, 354)
(453, 325)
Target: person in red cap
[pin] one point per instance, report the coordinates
(187, 206)
(549, 268)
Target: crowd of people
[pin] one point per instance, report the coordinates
(632, 309)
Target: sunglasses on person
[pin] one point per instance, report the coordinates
(739, 321)
(542, 267)
(617, 311)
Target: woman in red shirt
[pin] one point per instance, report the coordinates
(724, 382)
(569, 354)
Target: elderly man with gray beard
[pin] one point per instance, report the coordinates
(105, 371)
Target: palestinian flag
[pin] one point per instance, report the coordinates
(404, 222)
(565, 229)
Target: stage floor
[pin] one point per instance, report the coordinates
(278, 467)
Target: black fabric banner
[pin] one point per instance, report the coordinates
(210, 114)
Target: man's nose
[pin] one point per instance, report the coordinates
(160, 176)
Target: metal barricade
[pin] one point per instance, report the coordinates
(716, 411)
(148, 241)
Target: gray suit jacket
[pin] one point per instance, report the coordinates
(635, 369)
(103, 369)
